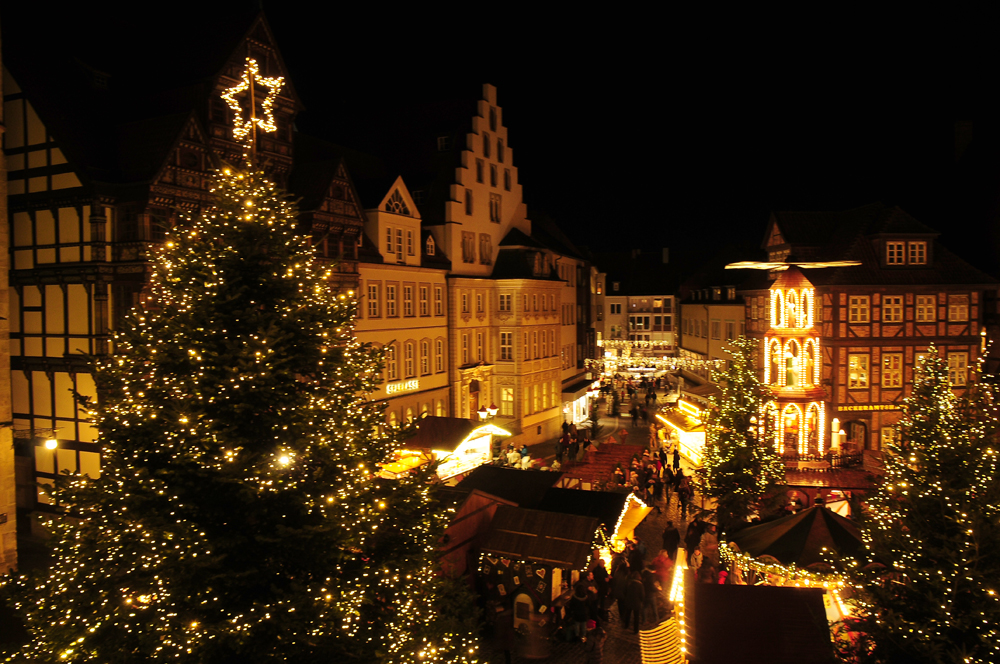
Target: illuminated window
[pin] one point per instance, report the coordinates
(408, 363)
(857, 368)
(859, 309)
(425, 305)
(438, 301)
(888, 435)
(465, 349)
(926, 305)
(892, 370)
(439, 356)
(958, 368)
(373, 304)
(390, 300)
(892, 309)
(425, 358)
(958, 308)
(894, 253)
(545, 395)
(506, 345)
(917, 253)
(507, 401)
(407, 300)
(534, 398)
(392, 368)
(439, 408)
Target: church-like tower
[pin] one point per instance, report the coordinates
(792, 365)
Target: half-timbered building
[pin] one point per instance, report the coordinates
(840, 345)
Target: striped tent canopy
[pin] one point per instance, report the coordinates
(799, 539)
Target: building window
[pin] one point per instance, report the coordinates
(534, 344)
(857, 367)
(507, 401)
(390, 300)
(493, 118)
(468, 247)
(506, 179)
(485, 249)
(545, 345)
(495, 207)
(465, 349)
(407, 300)
(505, 299)
(439, 409)
(552, 342)
(892, 309)
(388, 241)
(425, 358)
(480, 168)
(958, 308)
(527, 348)
(600, 312)
(429, 246)
(525, 303)
(892, 370)
(545, 395)
(486, 145)
(494, 178)
(888, 435)
(534, 398)
(392, 369)
(894, 253)
(439, 356)
(730, 330)
(500, 150)
(438, 301)
(506, 345)
(465, 303)
(409, 364)
(917, 253)
(410, 250)
(958, 368)
(926, 305)
(716, 329)
(479, 303)
(753, 309)
(425, 305)
(479, 347)
(552, 302)
(396, 204)
(468, 202)
(373, 311)
(399, 242)
(534, 301)
(859, 309)
(444, 143)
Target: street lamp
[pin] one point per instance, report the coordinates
(487, 413)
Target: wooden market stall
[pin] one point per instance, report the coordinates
(459, 445)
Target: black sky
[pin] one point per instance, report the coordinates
(647, 129)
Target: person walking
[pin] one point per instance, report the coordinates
(595, 645)
(635, 415)
(671, 540)
(619, 582)
(649, 604)
(677, 457)
(578, 614)
(635, 596)
(693, 536)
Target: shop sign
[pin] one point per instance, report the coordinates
(402, 386)
(872, 406)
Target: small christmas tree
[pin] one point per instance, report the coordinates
(738, 468)
(934, 522)
(238, 517)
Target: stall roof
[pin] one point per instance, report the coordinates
(551, 538)
(605, 506)
(577, 389)
(785, 625)
(524, 487)
(440, 433)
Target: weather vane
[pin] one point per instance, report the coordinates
(246, 130)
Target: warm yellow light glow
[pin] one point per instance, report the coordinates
(51, 444)
(251, 76)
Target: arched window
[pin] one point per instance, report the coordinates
(409, 415)
(391, 366)
(792, 363)
(807, 307)
(810, 362)
(439, 408)
(791, 309)
(429, 245)
(396, 204)
(774, 357)
(791, 427)
(392, 417)
(777, 308)
(812, 442)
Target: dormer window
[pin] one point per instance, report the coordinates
(429, 245)
(396, 204)
(916, 253)
(912, 252)
(894, 253)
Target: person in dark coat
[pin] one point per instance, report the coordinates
(693, 535)
(635, 596)
(619, 581)
(671, 540)
(677, 457)
(602, 581)
(649, 606)
(578, 613)
(595, 645)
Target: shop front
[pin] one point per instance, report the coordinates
(686, 420)
(576, 400)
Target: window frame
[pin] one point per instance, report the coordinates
(425, 296)
(858, 309)
(374, 303)
(895, 252)
(926, 308)
(863, 362)
(439, 300)
(390, 300)
(507, 346)
(408, 310)
(892, 370)
(916, 252)
(892, 304)
(958, 369)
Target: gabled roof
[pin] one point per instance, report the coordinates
(439, 260)
(515, 237)
(605, 506)
(526, 488)
(440, 433)
(551, 538)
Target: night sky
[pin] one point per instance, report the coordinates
(657, 129)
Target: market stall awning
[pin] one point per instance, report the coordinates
(577, 389)
(440, 433)
(605, 506)
(633, 516)
(799, 539)
(551, 538)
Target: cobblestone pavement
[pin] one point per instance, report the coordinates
(622, 645)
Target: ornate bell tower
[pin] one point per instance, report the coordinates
(792, 364)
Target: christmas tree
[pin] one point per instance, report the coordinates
(238, 517)
(933, 524)
(738, 469)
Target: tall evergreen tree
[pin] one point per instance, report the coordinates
(934, 521)
(738, 468)
(238, 517)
